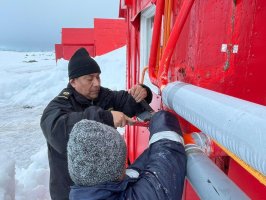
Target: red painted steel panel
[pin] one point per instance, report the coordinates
(68, 51)
(189, 193)
(198, 58)
(110, 34)
(249, 63)
(237, 70)
(251, 186)
(77, 36)
(128, 2)
(142, 139)
(122, 9)
(58, 51)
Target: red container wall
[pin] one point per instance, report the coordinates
(106, 36)
(77, 36)
(198, 58)
(73, 39)
(109, 35)
(58, 51)
(131, 74)
(68, 51)
(246, 181)
(221, 48)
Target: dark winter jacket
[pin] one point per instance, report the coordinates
(60, 116)
(162, 170)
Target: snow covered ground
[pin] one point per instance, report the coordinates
(29, 80)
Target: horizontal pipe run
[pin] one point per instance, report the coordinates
(236, 124)
(208, 180)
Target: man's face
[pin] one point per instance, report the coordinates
(87, 85)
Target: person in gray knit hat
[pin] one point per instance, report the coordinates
(96, 153)
(97, 160)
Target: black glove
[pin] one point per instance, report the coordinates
(148, 98)
(164, 121)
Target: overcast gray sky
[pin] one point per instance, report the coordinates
(36, 24)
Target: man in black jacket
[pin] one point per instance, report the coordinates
(99, 171)
(84, 98)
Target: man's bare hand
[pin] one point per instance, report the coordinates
(138, 93)
(120, 119)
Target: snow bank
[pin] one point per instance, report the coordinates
(7, 178)
(28, 82)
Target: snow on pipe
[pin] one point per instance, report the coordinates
(207, 179)
(236, 124)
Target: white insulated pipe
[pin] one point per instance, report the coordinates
(238, 125)
(208, 180)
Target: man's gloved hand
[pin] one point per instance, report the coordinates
(164, 121)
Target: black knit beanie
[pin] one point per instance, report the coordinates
(82, 64)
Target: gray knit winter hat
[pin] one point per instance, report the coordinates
(96, 153)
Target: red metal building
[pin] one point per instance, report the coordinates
(74, 38)
(215, 45)
(107, 35)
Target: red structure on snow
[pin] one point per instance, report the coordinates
(215, 45)
(107, 35)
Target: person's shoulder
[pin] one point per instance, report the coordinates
(60, 101)
(104, 92)
(104, 89)
(64, 94)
